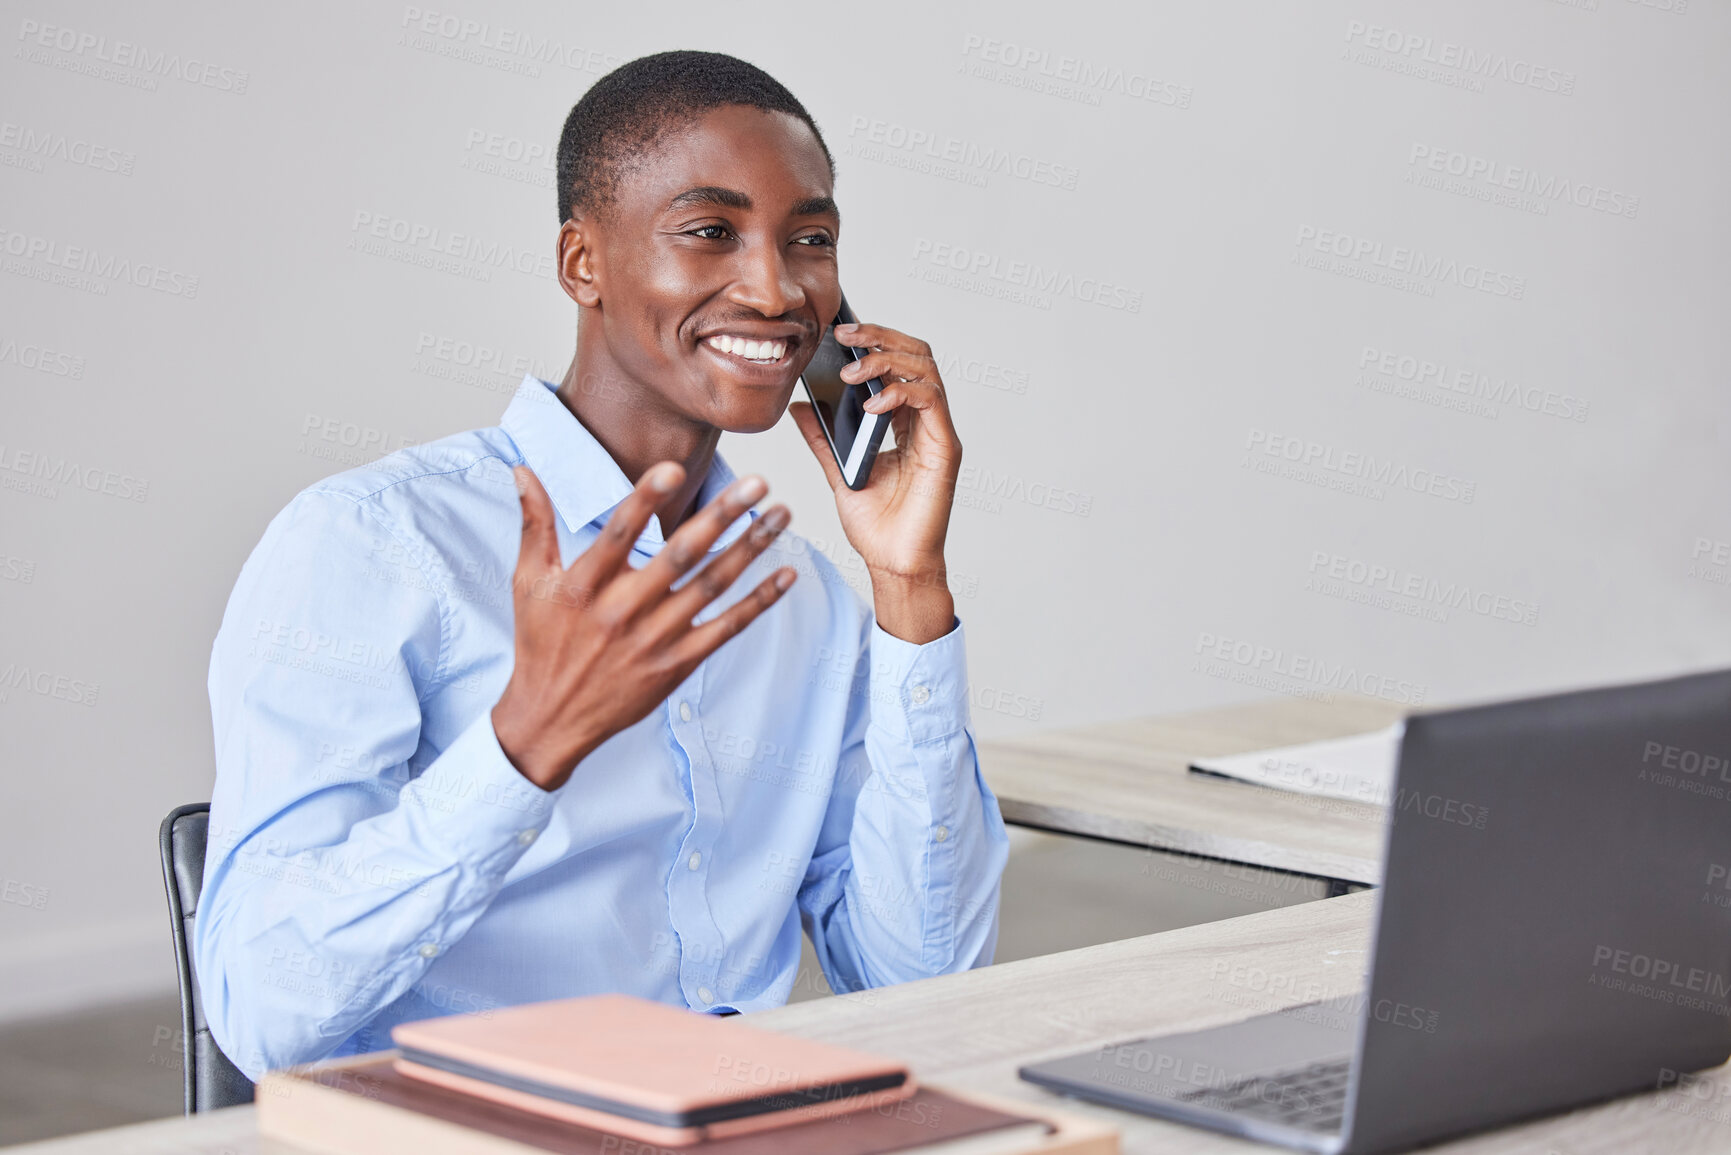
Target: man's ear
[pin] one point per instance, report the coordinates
(578, 264)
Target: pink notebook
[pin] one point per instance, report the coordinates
(644, 1069)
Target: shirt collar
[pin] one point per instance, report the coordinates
(579, 474)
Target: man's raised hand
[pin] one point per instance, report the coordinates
(599, 644)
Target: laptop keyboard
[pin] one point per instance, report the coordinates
(1312, 1097)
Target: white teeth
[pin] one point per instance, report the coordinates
(750, 350)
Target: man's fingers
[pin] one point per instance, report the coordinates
(718, 576)
(881, 337)
(540, 547)
(598, 564)
(691, 541)
(921, 404)
(893, 366)
(812, 430)
(706, 639)
(917, 395)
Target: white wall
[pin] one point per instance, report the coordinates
(1113, 519)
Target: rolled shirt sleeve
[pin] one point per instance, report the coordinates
(345, 852)
(904, 882)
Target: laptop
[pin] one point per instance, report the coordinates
(1553, 928)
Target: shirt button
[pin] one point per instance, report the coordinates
(695, 860)
(428, 950)
(920, 695)
(685, 711)
(525, 837)
(704, 994)
(941, 833)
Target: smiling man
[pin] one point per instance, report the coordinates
(540, 710)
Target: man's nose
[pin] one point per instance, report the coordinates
(765, 283)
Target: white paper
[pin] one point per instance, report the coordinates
(1358, 768)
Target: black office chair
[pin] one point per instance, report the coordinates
(211, 1081)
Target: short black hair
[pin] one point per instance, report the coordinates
(626, 111)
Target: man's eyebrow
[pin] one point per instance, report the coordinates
(817, 207)
(734, 199)
(710, 195)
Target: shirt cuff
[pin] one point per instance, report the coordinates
(919, 693)
(472, 801)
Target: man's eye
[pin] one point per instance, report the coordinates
(814, 239)
(710, 232)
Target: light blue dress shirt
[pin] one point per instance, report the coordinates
(374, 858)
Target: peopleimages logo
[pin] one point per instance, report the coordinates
(1305, 669)
(1473, 62)
(89, 269)
(984, 489)
(1362, 473)
(42, 475)
(1471, 383)
(1370, 255)
(40, 358)
(346, 442)
(1070, 77)
(46, 684)
(473, 363)
(44, 144)
(1378, 578)
(992, 268)
(978, 371)
(514, 44)
(1491, 179)
(510, 157)
(1710, 561)
(898, 143)
(89, 48)
(1662, 973)
(1686, 761)
(443, 249)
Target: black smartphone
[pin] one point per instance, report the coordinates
(854, 434)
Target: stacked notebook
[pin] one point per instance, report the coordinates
(625, 1076)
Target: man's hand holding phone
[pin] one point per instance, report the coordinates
(899, 520)
(599, 644)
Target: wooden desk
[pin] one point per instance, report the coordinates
(971, 1031)
(1130, 782)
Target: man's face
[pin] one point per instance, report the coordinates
(725, 233)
